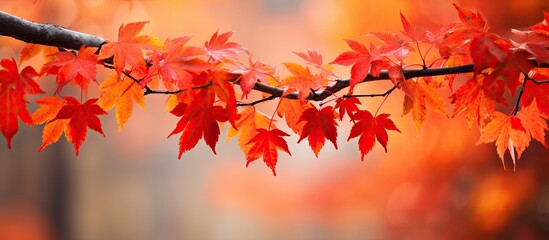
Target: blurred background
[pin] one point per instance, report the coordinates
(433, 185)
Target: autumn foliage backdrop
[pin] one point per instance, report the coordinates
(434, 178)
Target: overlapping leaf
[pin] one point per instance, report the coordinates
(47, 111)
(81, 116)
(176, 63)
(30, 50)
(122, 93)
(247, 122)
(78, 69)
(359, 58)
(291, 111)
(199, 118)
(423, 94)
(477, 98)
(533, 123)
(128, 50)
(302, 81)
(14, 86)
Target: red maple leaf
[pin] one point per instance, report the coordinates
(471, 19)
(456, 38)
(532, 42)
(370, 128)
(409, 30)
(319, 125)
(219, 49)
(78, 69)
(393, 46)
(347, 105)
(265, 144)
(537, 92)
(360, 59)
(128, 48)
(198, 119)
(14, 86)
(542, 27)
(488, 51)
(82, 117)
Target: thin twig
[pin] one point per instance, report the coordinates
(389, 91)
(149, 91)
(257, 101)
(521, 92)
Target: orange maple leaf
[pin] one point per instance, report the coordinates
(265, 144)
(423, 94)
(291, 110)
(319, 125)
(302, 81)
(129, 47)
(247, 122)
(81, 116)
(508, 132)
(122, 93)
(14, 86)
(30, 50)
(52, 131)
(535, 125)
(78, 69)
(370, 128)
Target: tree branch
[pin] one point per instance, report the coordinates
(45, 34)
(53, 35)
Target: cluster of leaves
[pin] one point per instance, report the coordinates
(202, 84)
